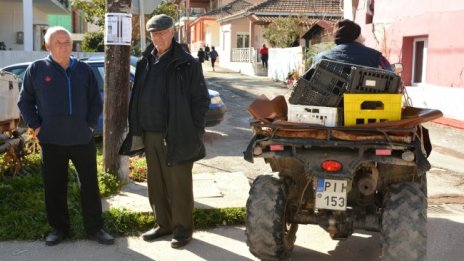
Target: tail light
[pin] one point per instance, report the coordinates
(331, 166)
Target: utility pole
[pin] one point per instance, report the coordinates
(118, 29)
(187, 23)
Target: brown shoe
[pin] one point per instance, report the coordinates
(155, 233)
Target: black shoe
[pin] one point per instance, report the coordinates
(155, 233)
(55, 237)
(102, 237)
(178, 242)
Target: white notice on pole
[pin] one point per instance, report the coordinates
(118, 29)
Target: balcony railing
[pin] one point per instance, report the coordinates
(244, 55)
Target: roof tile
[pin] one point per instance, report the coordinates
(229, 9)
(320, 7)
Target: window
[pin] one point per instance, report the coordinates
(419, 62)
(243, 40)
(369, 11)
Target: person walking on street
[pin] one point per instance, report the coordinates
(201, 55)
(167, 120)
(61, 102)
(264, 55)
(214, 55)
(207, 50)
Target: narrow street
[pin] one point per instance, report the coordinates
(445, 179)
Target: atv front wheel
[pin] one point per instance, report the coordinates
(269, 236)
(404, 223)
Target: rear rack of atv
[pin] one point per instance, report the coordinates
(334, 136)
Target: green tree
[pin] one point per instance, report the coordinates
(284, 31)
(93, 42)
(166, 8)
(94, 11)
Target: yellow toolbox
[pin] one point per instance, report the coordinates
(364, 108)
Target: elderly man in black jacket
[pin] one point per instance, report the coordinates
(61, 102)
(167, 121)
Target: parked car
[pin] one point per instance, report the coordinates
(214, 115)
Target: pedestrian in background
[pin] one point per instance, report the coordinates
(61, 102)
(167, 120)
(264, 55)
(201, 55)
(213, 55)
(207, 50)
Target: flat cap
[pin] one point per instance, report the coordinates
(159, 23)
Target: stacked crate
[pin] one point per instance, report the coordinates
(364, 94)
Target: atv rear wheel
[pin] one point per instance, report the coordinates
(269, 236)
(404, 223)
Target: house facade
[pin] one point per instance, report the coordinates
(23, 22)
(236, 27)
(426, 37)
(243, 32)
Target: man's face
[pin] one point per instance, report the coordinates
(60, 45)
(162, 39)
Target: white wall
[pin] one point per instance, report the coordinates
(284, 60)
(448, 100)
(11, 21)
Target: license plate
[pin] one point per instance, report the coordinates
(331, 194)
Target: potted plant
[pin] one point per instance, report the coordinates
(292, 77)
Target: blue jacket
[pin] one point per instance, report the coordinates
(354, 53)
(65, 104)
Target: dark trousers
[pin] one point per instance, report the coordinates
(264, 59)
(212, 62)
(170, 188)
(55, 161)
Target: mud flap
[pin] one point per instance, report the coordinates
(248, 153)
(423, 148)
(426, 141)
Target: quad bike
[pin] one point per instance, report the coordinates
(15, 141)
(370, 177)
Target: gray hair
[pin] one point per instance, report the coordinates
(53, 30)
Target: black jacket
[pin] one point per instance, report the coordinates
(187, 103)
(64, 104)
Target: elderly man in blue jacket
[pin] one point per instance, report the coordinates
(61, 102)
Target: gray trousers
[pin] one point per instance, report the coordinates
(170, 189)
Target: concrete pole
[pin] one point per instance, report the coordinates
(187, 23)
(28, 26)
(143, 43)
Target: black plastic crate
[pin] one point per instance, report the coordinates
(373, 80)
(341, 69)
(306, 93)
(360, 79)
(325, 84)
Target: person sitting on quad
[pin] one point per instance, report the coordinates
(349, 48)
